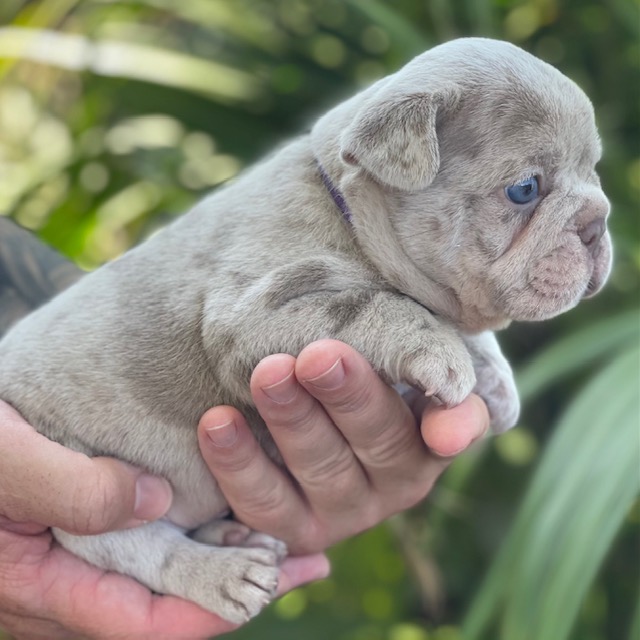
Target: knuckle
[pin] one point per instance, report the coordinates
(312, 537)
(297, 415)
(236, 462)
(267, 500)
(336, 468)
(353, 398)
(390, 448)
(231, 461)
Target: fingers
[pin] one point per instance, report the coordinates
(258, 491)
(352, 446)
(49, 593)
(448, 432)
(43, 482)
(371, 416)
(301, 570)
(316, 453)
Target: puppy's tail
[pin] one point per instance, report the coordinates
(30, 273)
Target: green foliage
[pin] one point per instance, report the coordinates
(580, 495)
(577, 350)
(116, 116)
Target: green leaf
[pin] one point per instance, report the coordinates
(408, 40)
(130, 60)
(635, 625)
(578, 499)
(577, 350)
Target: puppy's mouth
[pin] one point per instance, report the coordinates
(601, 268)
(556, 283)
(595, 284)
(592, 289)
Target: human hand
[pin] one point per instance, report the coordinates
(372, 464)
(46, 592)
(351, 443)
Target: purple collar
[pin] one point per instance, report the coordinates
(338, 198)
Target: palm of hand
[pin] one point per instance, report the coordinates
(40, 579)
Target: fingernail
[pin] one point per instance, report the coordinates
(153, 497)
(223, 435)
(282, 392)
(330, 379)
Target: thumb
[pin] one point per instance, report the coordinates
(41, 481)
(449, 432)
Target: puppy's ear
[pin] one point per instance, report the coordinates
(395, 141)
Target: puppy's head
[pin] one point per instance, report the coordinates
(484, 157)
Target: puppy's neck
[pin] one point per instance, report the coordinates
(363, 206)
(336, 195)
(377, 237)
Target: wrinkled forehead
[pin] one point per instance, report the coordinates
(548, 124)
(548, 118)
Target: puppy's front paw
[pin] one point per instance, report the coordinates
(445, 372)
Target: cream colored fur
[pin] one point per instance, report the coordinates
(126, 361)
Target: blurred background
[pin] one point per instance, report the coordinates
(116, 116)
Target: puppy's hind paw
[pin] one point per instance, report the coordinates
(249, 586)
(233, 583)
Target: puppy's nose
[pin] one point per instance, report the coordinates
(591, 233)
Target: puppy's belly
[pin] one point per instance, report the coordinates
(116, 427)
(197, 498)
(65, 373)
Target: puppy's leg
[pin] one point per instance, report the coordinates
(495, 383)
(401, 339)
(406, 343)
(234, 583)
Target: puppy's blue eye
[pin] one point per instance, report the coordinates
(523, 192)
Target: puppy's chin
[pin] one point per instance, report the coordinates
(531, 304)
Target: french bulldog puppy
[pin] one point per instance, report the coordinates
(429, 210)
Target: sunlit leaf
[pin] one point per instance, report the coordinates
(578, 499)
(129, 60)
